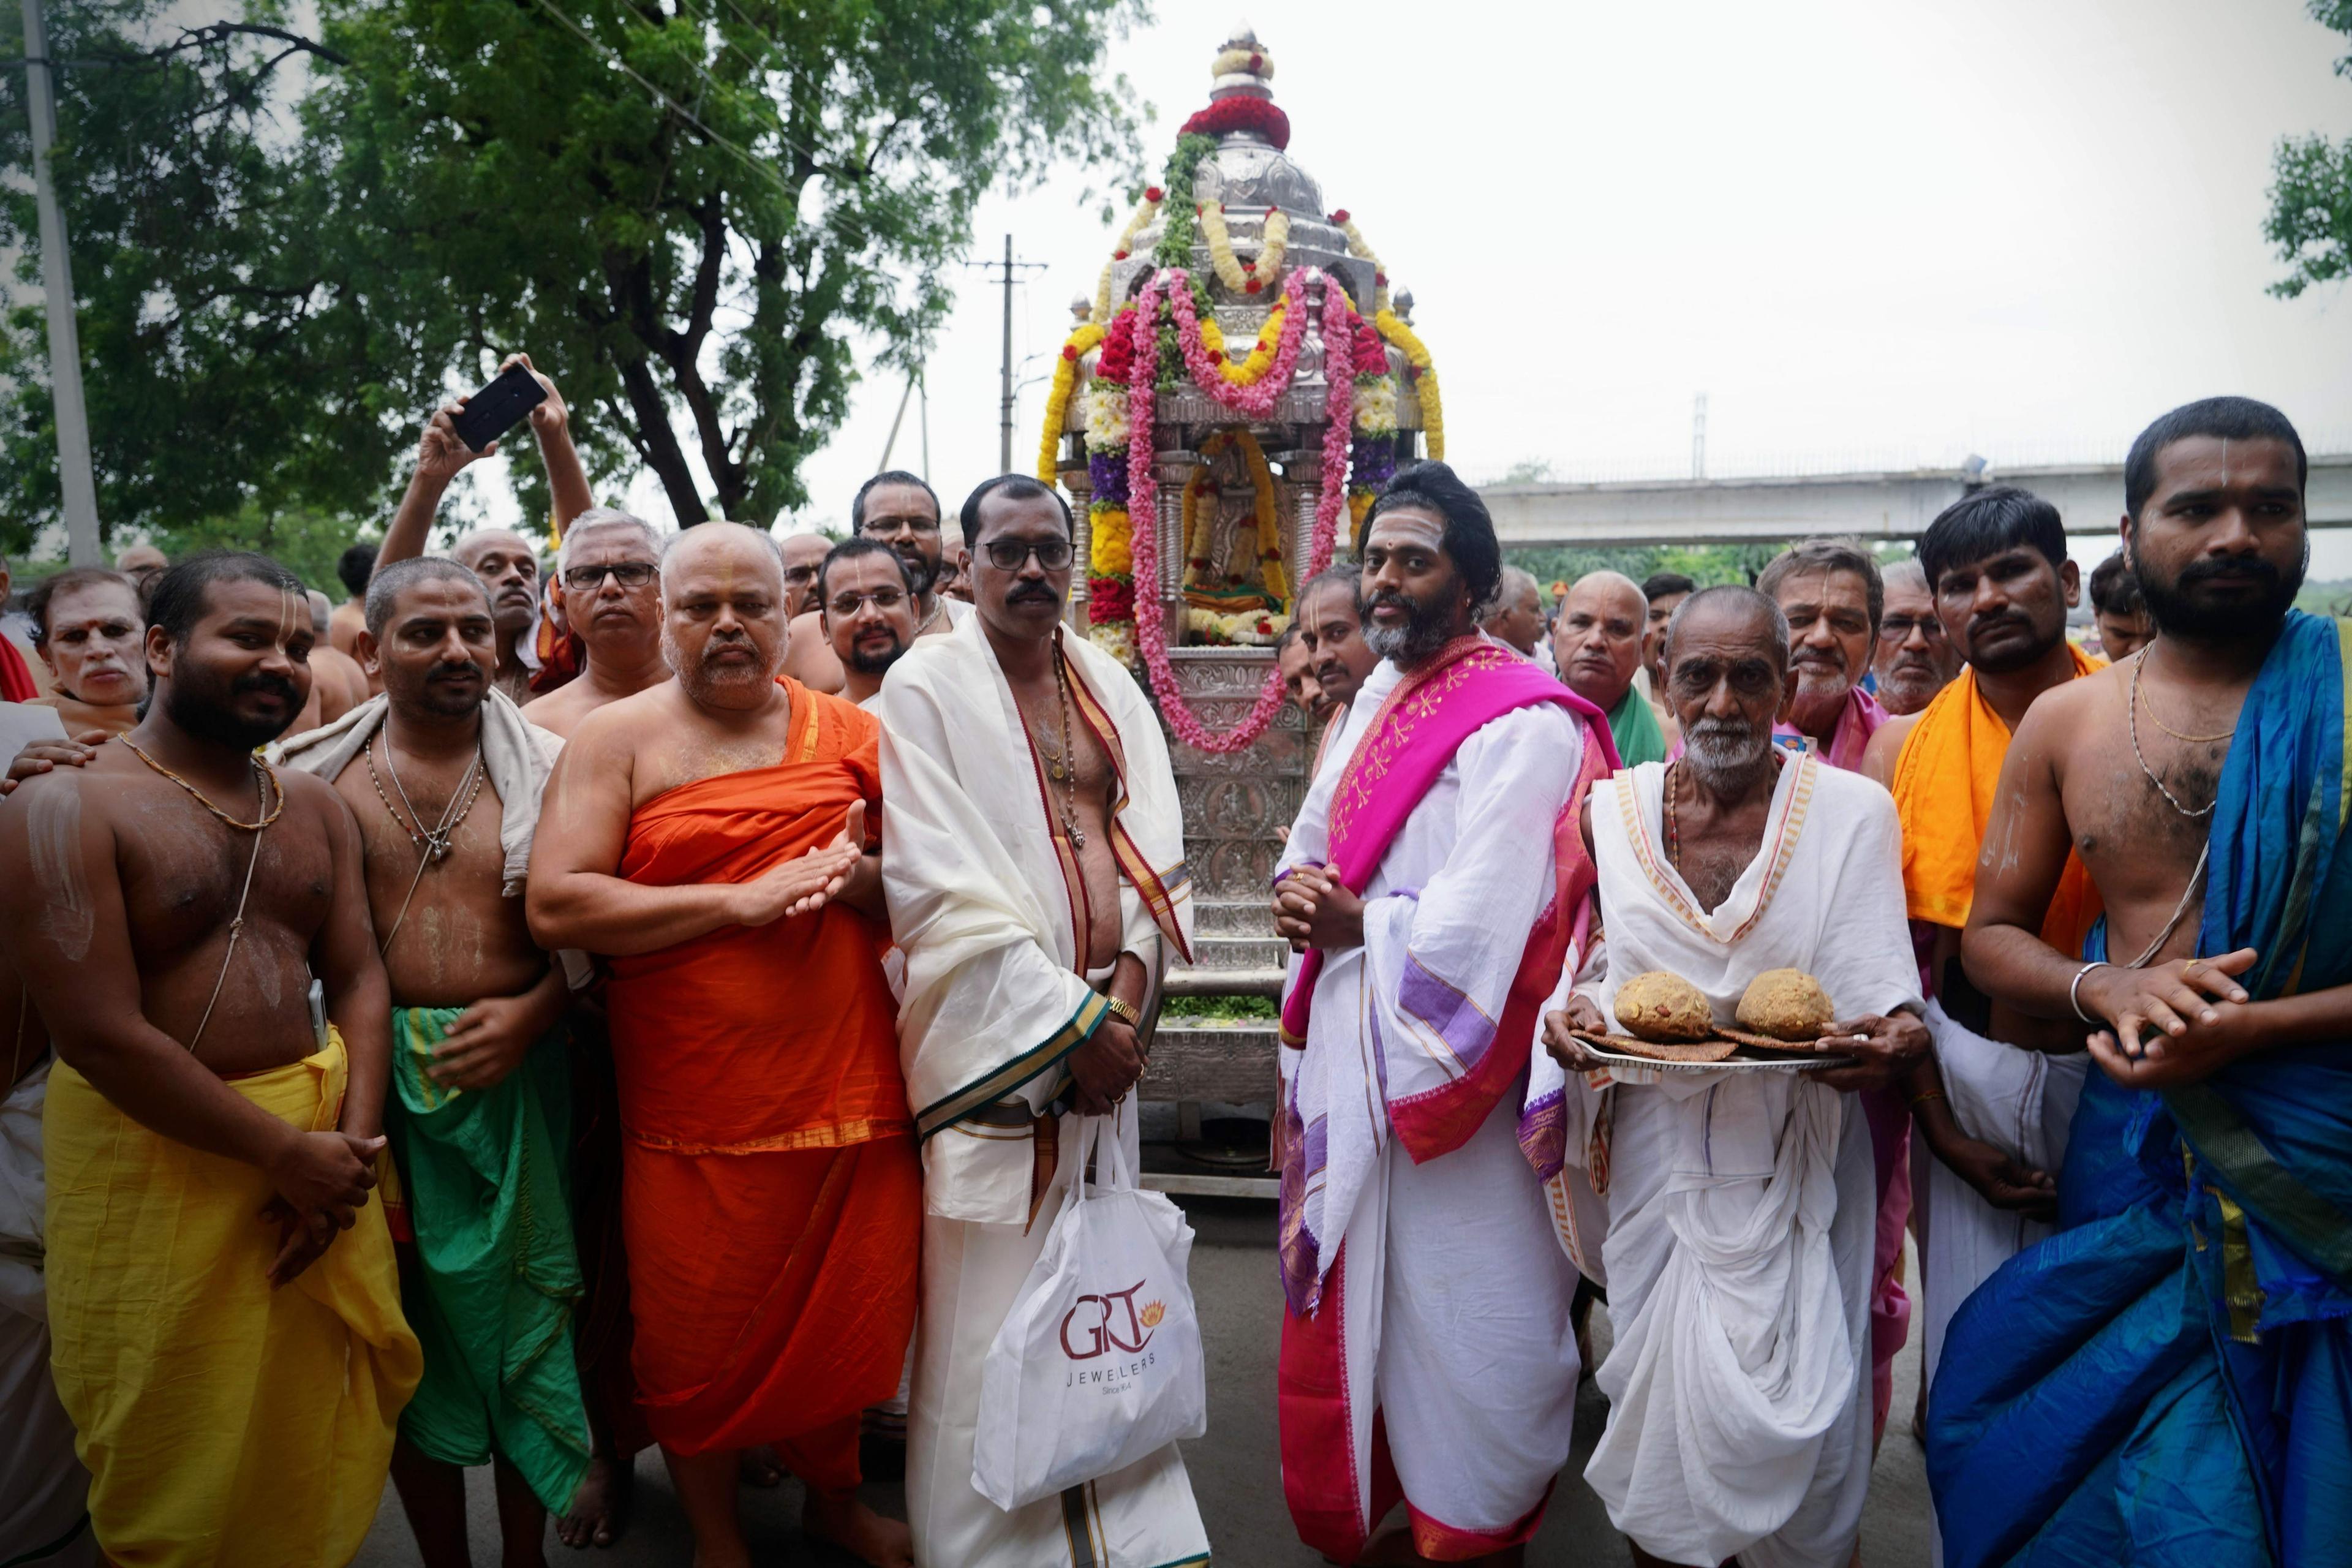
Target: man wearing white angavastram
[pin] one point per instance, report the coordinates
(1426, 1352)
(1033, 858)
(1740, 1205)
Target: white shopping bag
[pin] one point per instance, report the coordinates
(1098, 1365)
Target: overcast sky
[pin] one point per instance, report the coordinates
(1872, 234)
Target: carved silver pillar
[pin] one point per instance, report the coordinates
(1175, 470)
(1079, 483)
(1302, 477)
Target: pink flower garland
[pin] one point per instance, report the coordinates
(1257, 399)
(1151, 627)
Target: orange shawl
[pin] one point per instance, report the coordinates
(779, 1036)
(1945, 783)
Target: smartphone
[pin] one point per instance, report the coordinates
(498, 407)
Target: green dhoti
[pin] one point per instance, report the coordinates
(496, 1275)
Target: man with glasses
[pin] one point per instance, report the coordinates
(1914, 660)
(897, 509)
(608, 577)
(1034, 866)
(866, 602)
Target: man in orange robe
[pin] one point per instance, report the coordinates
(707, 836)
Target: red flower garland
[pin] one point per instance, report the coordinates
(1257, 114)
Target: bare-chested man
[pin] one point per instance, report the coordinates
(445, 777)
(503, 558)
(1993, 1109)
(2177, 1366)
(706, 837)
(212, 1133)
(1035, 865)
(608, 572)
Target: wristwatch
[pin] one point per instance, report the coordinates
(1126, 1010)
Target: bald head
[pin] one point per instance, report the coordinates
(1596, 639)
(803, 554)
(724, 620)
(141, 558)
(508, 567)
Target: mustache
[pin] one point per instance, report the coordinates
(1036, 594)
(456, 670)
(1388, 599)
(1979, 625)
(2251, 569)
(277, 686)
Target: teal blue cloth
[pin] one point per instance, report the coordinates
(495, 1278)
(2098, 1402)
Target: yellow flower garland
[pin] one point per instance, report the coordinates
(1243, 62)
(1267, 518)
(1433, 412)
(1261, 355)
(1230, 271)
(1057, 401)
(1110, 541)
(1145, 211)
(1362, 251)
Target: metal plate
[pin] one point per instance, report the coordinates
(1627, 1069)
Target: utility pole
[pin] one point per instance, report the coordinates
(1004, 445)
(57, 273)
(1698, 438)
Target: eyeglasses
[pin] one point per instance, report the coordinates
(1007, 555)
(1897, 629)
(884, 527)
(844, 605)
(628, 573)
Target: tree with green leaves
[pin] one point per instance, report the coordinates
(703, 218)
(2310, 218)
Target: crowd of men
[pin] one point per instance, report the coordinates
(655, 1006)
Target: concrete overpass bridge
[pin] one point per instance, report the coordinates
(1875, 506)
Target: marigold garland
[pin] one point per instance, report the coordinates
(1423, 371)
(1261, 355)
(1362, 251)
(1145, 211)
(1110, 546)
(1241, 277)
(1257, 399)
(1057, 400)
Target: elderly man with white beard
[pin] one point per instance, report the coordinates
(1739, 1203)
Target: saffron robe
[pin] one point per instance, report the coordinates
(987, 909)
(2168, 1381)
(222, 1421)
(769, 1192)
(1449, 804)
(1741, 1206)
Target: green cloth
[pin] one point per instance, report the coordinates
(495, 1276)
(1634, 725)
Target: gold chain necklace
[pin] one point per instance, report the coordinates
(1062, 761)
(2229, 733)
(265, 783)
(2141, 758)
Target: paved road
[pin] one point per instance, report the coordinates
(1234, 1469)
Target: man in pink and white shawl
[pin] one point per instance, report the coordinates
(1432, 876)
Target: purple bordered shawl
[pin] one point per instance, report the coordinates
(1404, 750)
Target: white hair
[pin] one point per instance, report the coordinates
(1908, 572)
(605, 517)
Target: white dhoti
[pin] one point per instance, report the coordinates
(44, 1490)
(988, 913)
(2023, 1103)
(1742, 1206)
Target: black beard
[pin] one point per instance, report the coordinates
(923, 570)
(1414, 644)
(202, 709)
(2173, 609)
(865, 663)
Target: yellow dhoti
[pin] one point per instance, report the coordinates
(222, 1422)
